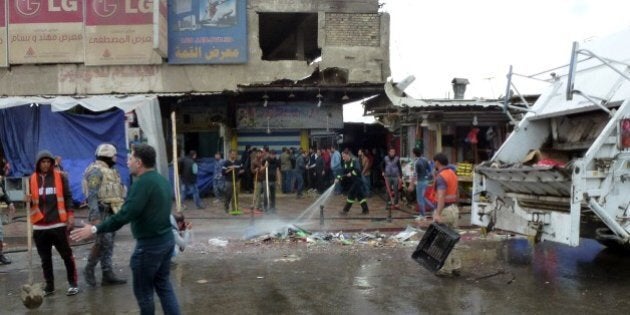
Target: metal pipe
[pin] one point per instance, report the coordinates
(604, 108)
(321, 215)
(609, 221)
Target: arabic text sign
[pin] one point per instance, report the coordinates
(3, 34)
(119, 33)
(45, 31)
(207, 32)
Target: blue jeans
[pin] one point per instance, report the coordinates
(299, 180)
(150, 264)
(366, 184)
(218, 186)
(287, 180)
(191, 189)
(421, 187)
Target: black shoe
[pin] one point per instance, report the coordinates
(343, 213)
(90, 279)
(49, 289)
(365, 212)
(109, 278)
(4, 260)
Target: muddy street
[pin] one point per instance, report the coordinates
(501, 275)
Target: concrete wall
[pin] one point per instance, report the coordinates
(368, 62)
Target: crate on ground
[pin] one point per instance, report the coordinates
(435, 246)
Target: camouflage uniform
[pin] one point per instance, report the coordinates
(105, 192)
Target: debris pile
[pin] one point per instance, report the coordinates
(292, 233)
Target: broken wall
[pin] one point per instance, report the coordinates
(352, 35)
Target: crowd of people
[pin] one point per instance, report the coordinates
(263, 172)
(160, 234)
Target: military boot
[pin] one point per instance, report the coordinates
(109, 278)
(346, 208)
(364, 206)
(3, 259)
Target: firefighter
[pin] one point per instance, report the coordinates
(351, 172)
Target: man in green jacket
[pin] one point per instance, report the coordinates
(148, 209)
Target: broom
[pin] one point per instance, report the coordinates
(32, 295)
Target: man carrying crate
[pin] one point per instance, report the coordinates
(447, 211)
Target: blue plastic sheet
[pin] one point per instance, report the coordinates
(27, 129)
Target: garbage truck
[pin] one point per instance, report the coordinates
(563, 173)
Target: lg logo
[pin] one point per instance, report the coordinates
(106, 8)
(27, 7)
(31, 7)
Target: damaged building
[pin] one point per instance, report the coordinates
(235, 73)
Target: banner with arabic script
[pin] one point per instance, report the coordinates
(3, 34)
(119, 33)
(207, 32)
(45, 31)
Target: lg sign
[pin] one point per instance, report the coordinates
(106, 8)
(30, 7)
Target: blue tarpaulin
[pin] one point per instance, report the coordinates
(27, 129)
(204, 177)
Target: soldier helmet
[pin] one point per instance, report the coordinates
(105, 150)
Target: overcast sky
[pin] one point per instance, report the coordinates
(438, 40)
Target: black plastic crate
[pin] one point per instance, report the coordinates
(438, 241)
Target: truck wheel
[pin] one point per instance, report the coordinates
(607, 238)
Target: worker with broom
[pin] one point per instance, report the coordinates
(52, 217)
(232, 168)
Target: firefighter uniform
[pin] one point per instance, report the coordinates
(351, 172)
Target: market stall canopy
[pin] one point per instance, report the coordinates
(30, 124)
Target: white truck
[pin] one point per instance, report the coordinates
(564, 172)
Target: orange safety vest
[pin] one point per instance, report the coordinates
(450, 178)
(36, 214)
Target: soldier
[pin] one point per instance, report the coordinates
(351, 172)
(105, 195)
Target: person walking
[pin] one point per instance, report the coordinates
(105, 195)
(392, 173)
(52, 217)
(218, 180)
(232, 169)
(189, 168)
(4, 197)
(423, 175)
(148, 209)
(351, 172)
(447, 211)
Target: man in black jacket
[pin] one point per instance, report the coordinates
(351, 172)
(189, 169)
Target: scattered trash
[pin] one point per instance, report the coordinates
(406, 234)
(218, 242)
(202, 281)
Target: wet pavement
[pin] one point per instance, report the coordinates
(501, 274)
